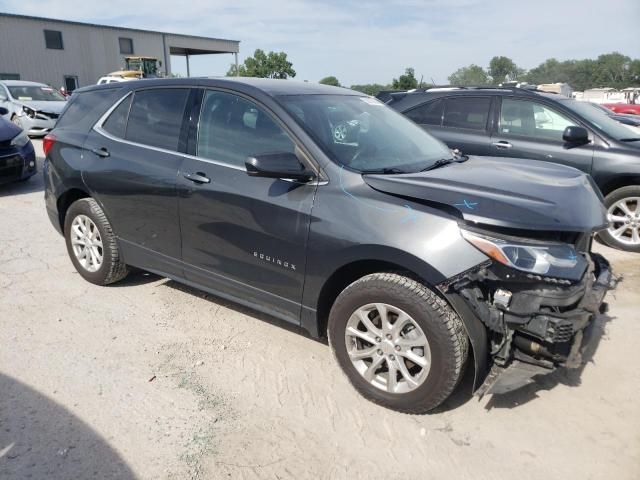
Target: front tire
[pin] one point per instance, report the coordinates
(91, 244)
(399, 344)
(623, 214)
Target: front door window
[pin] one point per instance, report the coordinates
(531, 119)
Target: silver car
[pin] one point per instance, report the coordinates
(34, 107)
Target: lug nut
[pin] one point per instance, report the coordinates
(392, 357)
(378, 339)
(388, 336)
(379, 352)
(397, 348)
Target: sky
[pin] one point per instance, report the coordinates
(370, 41)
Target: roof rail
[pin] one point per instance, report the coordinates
(532, 89)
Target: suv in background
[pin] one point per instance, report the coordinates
(523, 123)
(326, 209)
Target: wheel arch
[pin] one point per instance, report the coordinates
(66, 200)
(355, 263)
(620, 181)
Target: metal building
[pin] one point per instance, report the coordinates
(74, 54)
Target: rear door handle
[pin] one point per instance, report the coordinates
(502, 144)
(101, 152)
(197, 177)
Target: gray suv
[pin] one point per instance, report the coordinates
(34, 107)
(328, 210)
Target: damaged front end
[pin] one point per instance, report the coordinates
(536, 300)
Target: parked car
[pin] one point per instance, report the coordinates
(112, 79)
(629, 108)
(32, 106)
(17, 156)
(410, 259)
(624, 118)
(514, 122)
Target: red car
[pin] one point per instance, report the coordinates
(631, 108)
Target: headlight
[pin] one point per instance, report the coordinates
(20, 140)
(528, 256)
(29, 112)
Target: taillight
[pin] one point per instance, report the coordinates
(48, 142)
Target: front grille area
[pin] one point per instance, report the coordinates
(560, 332)
(11, 167)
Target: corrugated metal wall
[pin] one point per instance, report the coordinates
(89, 51)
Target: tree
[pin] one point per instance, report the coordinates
(405, 82)
(612, 70)
(504, 69)
(370, 88)
(271, 65)
(471, 75)
(550, 71)
(330, 81)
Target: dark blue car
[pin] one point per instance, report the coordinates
(17, 156)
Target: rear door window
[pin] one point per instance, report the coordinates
(233, 128)
(467, 112)
(427, 114)
(156, 116)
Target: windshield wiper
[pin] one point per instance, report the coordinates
(636, 139)
(386, 171)
(439, 163)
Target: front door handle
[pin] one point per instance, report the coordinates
(101, 152)
(502, 144)
(197, 177)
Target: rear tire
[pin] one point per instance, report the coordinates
(91, 244)
(623, 214)
(398, 370)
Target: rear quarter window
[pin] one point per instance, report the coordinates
(85, 108)
(427, 114)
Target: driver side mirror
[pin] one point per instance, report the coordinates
(3, 111)
(283, 165)
(575, 135)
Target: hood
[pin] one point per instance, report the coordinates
(8, 130)
(44, 106)
(505, 192)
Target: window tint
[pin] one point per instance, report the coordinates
(53, 39)
(232, 129)
(467, 112)
(84, 109)
(155, 117)
(427, 114)
(116, 124)
(126, 45)
(530, 119)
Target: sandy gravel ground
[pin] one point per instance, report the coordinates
(153, 380)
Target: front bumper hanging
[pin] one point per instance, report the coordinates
(534, 324)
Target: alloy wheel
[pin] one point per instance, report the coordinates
(87, 243)
(624, 221)
(388, 348)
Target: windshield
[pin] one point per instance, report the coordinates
(601, 119)
(40, 94)
(365, 135)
